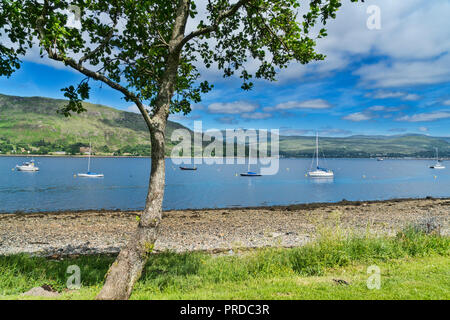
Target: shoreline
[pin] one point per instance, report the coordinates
(298, 206)
(167, 157)
(57, 234)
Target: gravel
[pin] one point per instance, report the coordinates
(212, 230)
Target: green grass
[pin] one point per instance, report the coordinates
(413, 266)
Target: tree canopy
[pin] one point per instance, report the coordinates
(147, 51)
(126, 43)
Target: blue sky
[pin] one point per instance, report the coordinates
(392, 80)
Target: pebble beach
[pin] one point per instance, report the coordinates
(213, 230)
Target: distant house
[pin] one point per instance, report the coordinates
(84, 150)
(59, 153)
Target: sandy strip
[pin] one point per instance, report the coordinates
(72, 233)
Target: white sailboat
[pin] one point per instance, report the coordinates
(319, 172)
(90, 174)
(250, 173)
(27, 167)
(438, 164)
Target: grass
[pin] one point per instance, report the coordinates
(413, 265)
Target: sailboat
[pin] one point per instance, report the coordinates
(250, 173)
(319, 172)
(90, 174)
(188, 168)
(438, 164)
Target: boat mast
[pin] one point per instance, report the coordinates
(249, 155)
(317, 148)
(89, 160)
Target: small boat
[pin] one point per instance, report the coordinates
(319, 172)
(188, 168)
(438, 164)
(90, 174)
(250, 173)
(380, 159)
(27, 167)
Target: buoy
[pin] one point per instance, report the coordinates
(74, 175)
(435, 177)
(364, 176)
(287, 169)
(236, 174)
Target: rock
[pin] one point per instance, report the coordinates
(41, 292)
(275, 235)
(341, 282)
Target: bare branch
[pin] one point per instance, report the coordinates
(162, 39)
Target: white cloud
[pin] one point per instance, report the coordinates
(413, 38)
(386, 94)
(394, 94)
(227, 120)
(383, 108)
(426, 117)
(317, 104)
(358, 116)
(402, 73)
(411, 97)
(377, 108)
(446, 103)
(423, 129)
(133, 109)
(256, 116)
(236, 107)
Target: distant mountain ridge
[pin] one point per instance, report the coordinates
(32, 124)
(359, 146)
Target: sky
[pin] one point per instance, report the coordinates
(387, 72)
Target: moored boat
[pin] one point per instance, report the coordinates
(438, 165)
(319, 172)
(27, 167)
(188, 168)
(90, 174)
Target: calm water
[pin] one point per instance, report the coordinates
(125, 184)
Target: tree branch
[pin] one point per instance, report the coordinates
(208, 29)
(273, 33)
(54, 55)
(96, 50)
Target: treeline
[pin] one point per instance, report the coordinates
(359, 154)
(42, 147)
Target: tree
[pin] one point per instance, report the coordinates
(142, 49)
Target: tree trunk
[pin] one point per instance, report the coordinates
(127, 268)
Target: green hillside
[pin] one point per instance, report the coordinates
(367, 146)
(33, 124)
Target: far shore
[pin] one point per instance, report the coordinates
(69, 233)
(167, 157)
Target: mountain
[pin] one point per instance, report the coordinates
(33, 125)
(408, 145)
